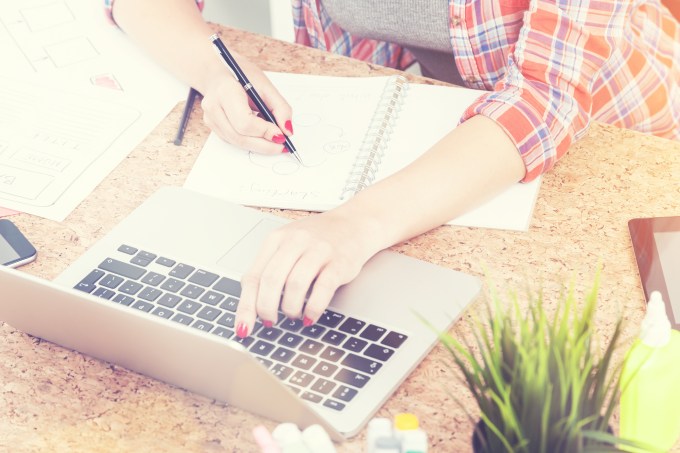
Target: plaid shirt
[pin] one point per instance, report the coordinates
(549, 66)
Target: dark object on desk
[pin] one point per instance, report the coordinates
(656, 243)
(191, 98)
(15, 249)
(250, 89)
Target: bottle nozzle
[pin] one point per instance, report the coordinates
(656, 328)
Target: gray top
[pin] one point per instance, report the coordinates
(421, 26)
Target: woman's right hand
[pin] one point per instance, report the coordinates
(228, 111)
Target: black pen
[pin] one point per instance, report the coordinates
(250, 89)
(191, 97)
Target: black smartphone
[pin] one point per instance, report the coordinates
(15, 249)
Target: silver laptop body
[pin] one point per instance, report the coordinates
(392, 291)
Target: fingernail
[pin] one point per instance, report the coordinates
(284, 150)
(289, 126)
(242, 330)
(280, 138)
(307, 322)
(267, 324)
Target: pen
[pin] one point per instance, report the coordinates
(185, 116)
(250, 89)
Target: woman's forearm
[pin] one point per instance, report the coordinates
(468, 166)
(180, 42)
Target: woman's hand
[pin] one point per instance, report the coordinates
(228, 111)
(322, 251)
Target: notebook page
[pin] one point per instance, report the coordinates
(330, 118)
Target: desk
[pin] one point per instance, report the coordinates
(53, 399)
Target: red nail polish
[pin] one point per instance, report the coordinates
(242, 330)
(307, 322)
(267, 324)
(289, 126)
(284, 150)
(280, 138)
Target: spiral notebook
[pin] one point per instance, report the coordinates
(350, 133)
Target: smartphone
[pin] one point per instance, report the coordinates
(15, 249)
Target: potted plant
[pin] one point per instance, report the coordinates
(537, 379)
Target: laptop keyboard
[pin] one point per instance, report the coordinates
(326, 363)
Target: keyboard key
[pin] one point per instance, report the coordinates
(230, 303)
(121, 268)
(373, 332)
(314, 398)
(202, 325)
(182, 271)
(351, 378)
(212, 298)
(345, 393)
(103, 293)
(123, 299)
(209, 313)
(352, 326)
(130, 287)
(189, 307)
(227, 320)
(361, 363)
(167, 262)
(262, 348)
(153, 279)
(394, 339)
(203, 278)
(192, 291)
(379, 352)
(323, 386)
(222, 332)
(301, 378)
(173, 285)
(281, 371)
(143, 306)
(291, 340)
(143, 258)
(292, 325)
(333, 337)
(247, 341)
(265, 362)
(162, 312)
(283, 354)
(314, 331)
(128, 250)
(111, 281)
(304, 362)
(169, 300)
(228, 286)
(332, 354)
(183, 319)
(88, 283)
(270, 333)
(311, 347)
(332, 404)
(325, 369)
(149, 293)
(330, 319)
(355, 344)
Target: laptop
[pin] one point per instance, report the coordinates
(656, 245)
(157, 295)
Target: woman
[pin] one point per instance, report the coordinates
(549, 66)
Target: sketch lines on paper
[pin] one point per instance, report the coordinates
(328, 141)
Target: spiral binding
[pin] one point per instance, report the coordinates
(377, 137)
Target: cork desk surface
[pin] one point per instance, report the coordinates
(54, 399)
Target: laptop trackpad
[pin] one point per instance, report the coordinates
(239, 257)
